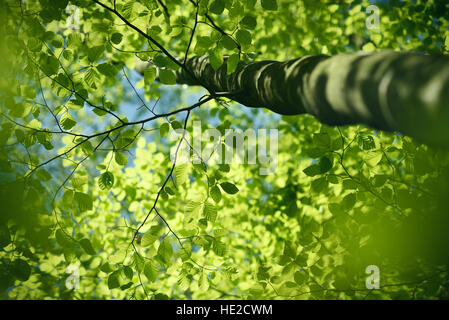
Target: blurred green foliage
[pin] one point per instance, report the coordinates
(340, 200)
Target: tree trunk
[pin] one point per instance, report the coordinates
(390, 91)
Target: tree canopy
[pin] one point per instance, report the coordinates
(105, 196)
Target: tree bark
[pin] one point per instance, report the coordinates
(391, 91)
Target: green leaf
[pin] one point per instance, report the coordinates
(180, 173)
(120, 158)
(336, 144)
(325, 164)
(125, 141)
(350, 184)
(243, 37)
(321, 140)
(35, 124)
(250, 4)
(319, 185)
(87, 148)
(78, 181)
(20, 110)
(72, 105)
(150, 271)
(176, 124)
(87, 246)
(379, 180)
(215, 59)
(36, 111)
(215, 193)
(300, 277)
(84, 201)
(203, 44)
(232, 63)
(28, 92)
(372, 158)
(186, 251)
(154, 31)
(151, 236)
(138, 262)
(95, 53)
(43, 175)
(127, 286)
(219, 248)
(67, 198)
(118, 256)
(116, 38)
(349, 201)
(164, 129)
(49, 64)
(169, 191)
(5, 237)
(128, 272)
(63, 240)
(165, 251)
(20, 269)
(203, 282)
(184, 280)
(107, 70)
(34, 45)
(129, 10)
(210, 212)
(67, 122)
(192, 206)
(313, 170)
(114, 280)
(106, 180)
(228, 43)
(366, 142)
(333, 179)
(161, 296)
(217, 6)
(149, 75)
(248, 22)
(167, 76)
(269, 4)
(106, 268)
(91, 77)
(164, 62)
(224, 167)
(289, 249)
(369, 47)
(229, 188)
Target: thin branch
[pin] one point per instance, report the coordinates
(192, 34)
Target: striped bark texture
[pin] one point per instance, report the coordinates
(391, 91)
